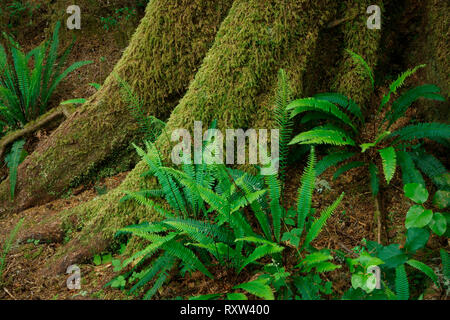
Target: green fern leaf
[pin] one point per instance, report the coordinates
(13, 159)
(389, 160)
(259, 288)
(347, 167)
(401, 283)
(425, 269)
(364, 64)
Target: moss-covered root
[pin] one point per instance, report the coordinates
(234, 85)
(162, 57)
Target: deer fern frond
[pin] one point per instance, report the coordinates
(332, 160)
(305, 191)
(389, 161)
(360, 60)
(397, 84)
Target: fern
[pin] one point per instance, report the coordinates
(318, 225)
(343, 101)
(445, 263)
(323, 136)
(347, 167)
(314, 104)
(285, 123)
(400, 105)
(425, 269)
(389, 161)
(13, 159)
(25, 92)
(397, 84)
(374, 183)
(401, 283)
(259, 252)
(364, 64)
(305, 192)
(410, 174)
(423, 130)
(258, 287)
(332, 160)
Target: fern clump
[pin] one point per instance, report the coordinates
(207, 222)
(343, 121)
(25, 92)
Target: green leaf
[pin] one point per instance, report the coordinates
(416, 238)
(438, 224)
(416, 192)
(401, 283)
(259, 288)
(74, 101)
(441, 199)
(389, 160)
(392, 256)
(13, 160)
(425, 269)
(418, 217)
(97, 260)
(236, 296)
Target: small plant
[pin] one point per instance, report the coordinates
(220, 195)
(7, 247)
(420, 217)
(13, 160)
(25, 92)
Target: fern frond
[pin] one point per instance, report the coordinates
(313, 104)
(431, 167)
(400, 105)
(374, 183)
(389, 160)
(410, 174)
(323, 136)
(423, 130)
(275, 207)
(285, 123)
(186, 255)
(13, 160)
(360, 60)
(397, 84)
(332, 160)
(425, 269)
(318, 224)
(305, 191)
(445, 263)
(343, 101)
(259, 252)
(258, 287)
(401, 283)
(347, 167)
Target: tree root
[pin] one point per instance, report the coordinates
(53, 118)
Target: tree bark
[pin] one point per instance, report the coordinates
(160, 61)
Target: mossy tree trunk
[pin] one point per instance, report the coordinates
(235, 85)
(160, 61)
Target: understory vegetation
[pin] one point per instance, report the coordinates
(353, 204)
(216, 217)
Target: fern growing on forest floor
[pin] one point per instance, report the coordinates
(25, 92)
(226, 235)
(343, 121)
